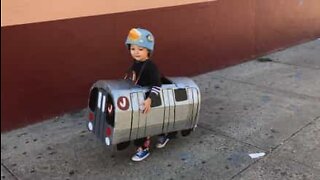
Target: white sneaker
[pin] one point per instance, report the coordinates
(162, 141)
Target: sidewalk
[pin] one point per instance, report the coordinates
(269, 105)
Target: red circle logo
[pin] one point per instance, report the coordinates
(123, 103)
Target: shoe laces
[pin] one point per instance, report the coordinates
(162, 139)
(140, 152)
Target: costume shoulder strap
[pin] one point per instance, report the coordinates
(140, 73)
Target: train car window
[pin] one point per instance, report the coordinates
(93, 99)
(180, 94)
(110, 111)
(156, 102)
(165, 80)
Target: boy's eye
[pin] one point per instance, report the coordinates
(140, 49)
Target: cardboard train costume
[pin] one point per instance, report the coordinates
(116, 106)
(115, 114)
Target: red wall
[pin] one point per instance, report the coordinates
(47, 68)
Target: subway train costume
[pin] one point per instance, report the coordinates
(115, 112)
(116, 106)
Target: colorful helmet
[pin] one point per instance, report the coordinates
(141, 37)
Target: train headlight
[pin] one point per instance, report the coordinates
(107, 140)
(90, 126)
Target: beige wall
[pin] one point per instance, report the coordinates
(29, 11)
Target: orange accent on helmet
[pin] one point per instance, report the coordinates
(134, 34)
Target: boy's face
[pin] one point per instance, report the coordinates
(139, 53)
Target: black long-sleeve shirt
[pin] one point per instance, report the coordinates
(149, 76)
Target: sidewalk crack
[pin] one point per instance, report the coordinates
(293, 134)
(298, 95)
(276, 147)
(284, 63)
(9, 171)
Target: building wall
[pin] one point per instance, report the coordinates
(51, 55)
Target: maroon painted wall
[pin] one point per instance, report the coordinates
(47, 68)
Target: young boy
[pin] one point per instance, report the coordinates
(140, 43)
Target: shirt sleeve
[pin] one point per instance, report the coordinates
(155, 81)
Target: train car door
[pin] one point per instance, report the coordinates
(149, 124)
(195, 106)
(183, 107)
(154, 122)
(138, 118)
(169, 112)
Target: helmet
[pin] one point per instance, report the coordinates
(140, 37)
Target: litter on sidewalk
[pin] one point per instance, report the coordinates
(257, 155)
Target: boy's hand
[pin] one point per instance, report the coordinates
(147, 105)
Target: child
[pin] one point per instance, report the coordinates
(140, 43)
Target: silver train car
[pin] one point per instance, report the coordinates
(116, 117)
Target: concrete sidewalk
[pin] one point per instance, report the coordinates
(265, 105)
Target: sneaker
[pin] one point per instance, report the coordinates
(140, 155)
(162, 141)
